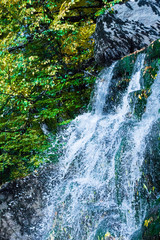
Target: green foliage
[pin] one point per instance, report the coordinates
(151, 224)
(108, 5)
(139, 99)
(47, 71)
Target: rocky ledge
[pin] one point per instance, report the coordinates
(132, 26)
(25, 205)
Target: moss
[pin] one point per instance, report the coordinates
(137, 235)
(138, 101)
(119, 83)
(153, 51)
(151, 224)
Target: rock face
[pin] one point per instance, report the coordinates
(152, 157)
(132, 26)
(25, 205)
(151, 230)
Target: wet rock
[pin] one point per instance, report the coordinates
(136, 235)
(132, 26)
(151, 224)
(149, 187)
(150, 229)
(119, 83)
(109, 238)
(138, 101)
(25, 206)
(151, 166)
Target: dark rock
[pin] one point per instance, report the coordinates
(132, 26)
(136, 235)
(119, 83)
(151, 225)
(151, 166)
(150, 229)
(25, 205)
(138, 101)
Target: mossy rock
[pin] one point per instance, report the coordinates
(152, 63)
(153, 51)
(136, 235)
(119, 82)
(151, 166)
(151, 224)
(138, 101)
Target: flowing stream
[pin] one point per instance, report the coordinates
(100, 166)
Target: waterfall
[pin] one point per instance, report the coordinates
(100, 166)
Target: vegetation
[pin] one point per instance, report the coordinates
(151, 225)
(152, 63)
(47, 71)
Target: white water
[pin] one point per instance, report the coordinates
(101, 166)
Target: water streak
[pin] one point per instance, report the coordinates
(101, 165)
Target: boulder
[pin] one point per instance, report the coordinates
(25, 205)
(132, 26)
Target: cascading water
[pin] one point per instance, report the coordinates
(101, 165)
